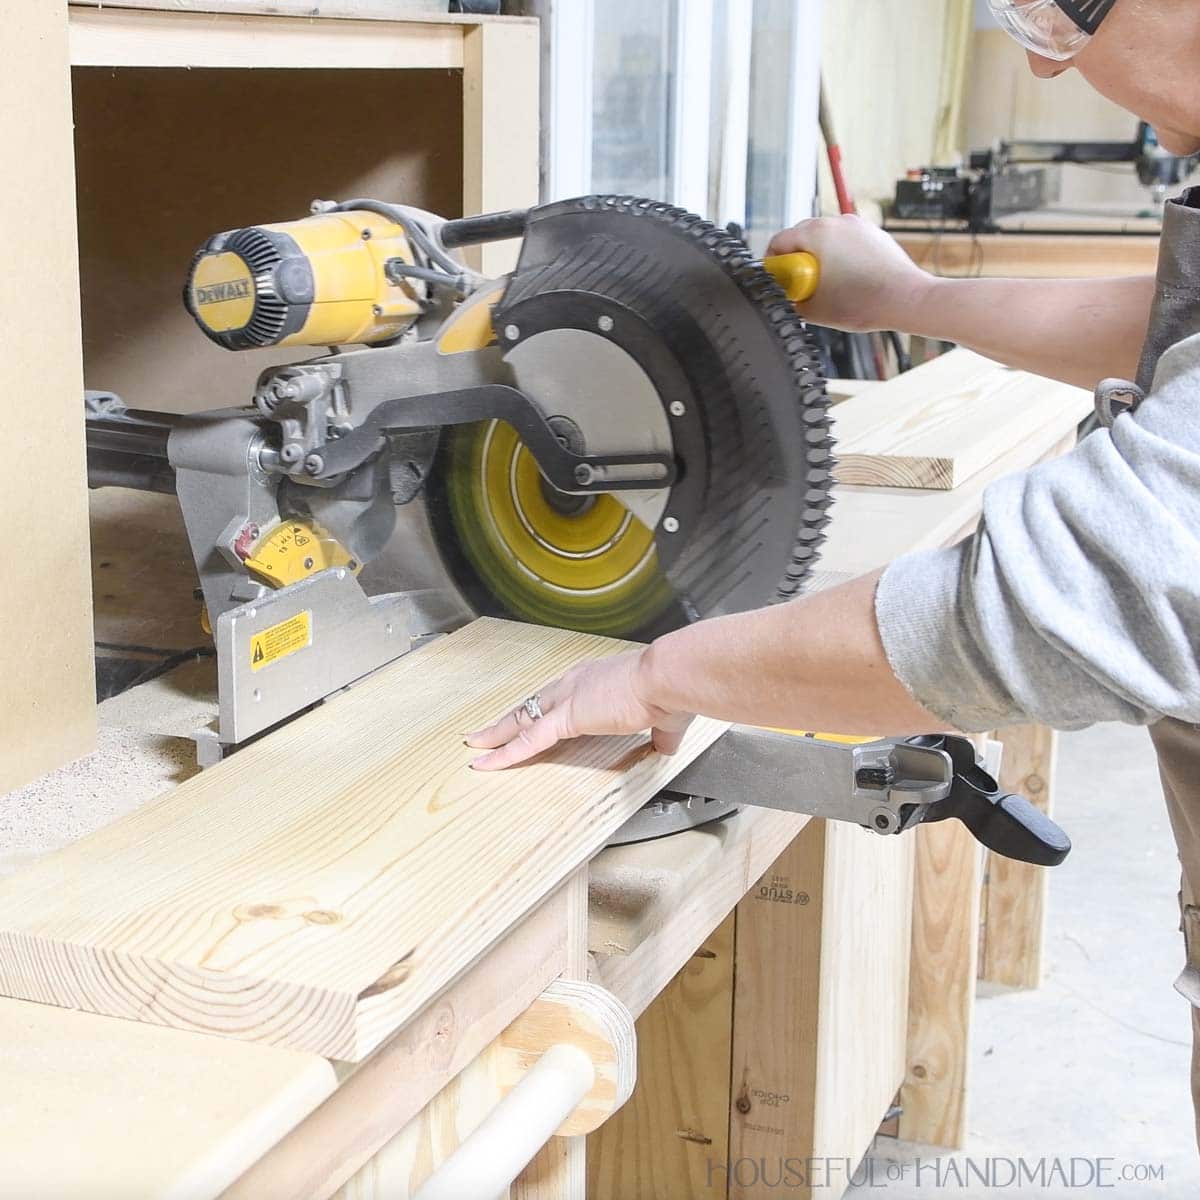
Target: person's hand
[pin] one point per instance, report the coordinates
(867, 281)
(603, 697)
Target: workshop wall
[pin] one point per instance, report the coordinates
(890, 76)
(166, 158)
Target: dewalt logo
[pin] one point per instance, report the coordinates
(218, 293)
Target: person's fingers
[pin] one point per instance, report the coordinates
(667, 741)
(529, 741)
(508, 726)
(786, 241)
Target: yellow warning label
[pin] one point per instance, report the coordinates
(280, 640)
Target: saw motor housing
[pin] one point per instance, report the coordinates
(332, 279)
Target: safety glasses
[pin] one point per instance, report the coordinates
(1054, 29)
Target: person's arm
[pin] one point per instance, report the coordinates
(1078, 330)
(817, 661)
(1077, 601)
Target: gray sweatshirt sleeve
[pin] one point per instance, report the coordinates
(1078, 598)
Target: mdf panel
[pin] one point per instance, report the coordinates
(168, 157)
(47, 697)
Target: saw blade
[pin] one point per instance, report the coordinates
(733, 377)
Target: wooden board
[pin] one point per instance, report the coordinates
(1014, 893)
(673, 1132)
(90, 1106)
(812, 977)
(47, 697)
(383, 1095)
(653, 904)
(942, 986)
(879, 524)
(423, 1143)
(319, 888)
(942, 422)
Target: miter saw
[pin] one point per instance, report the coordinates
(626, 433)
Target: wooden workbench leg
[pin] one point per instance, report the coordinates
(820, 1012)
(501, 123)
(1014, 894)
(671, 1141)
(945, 940)
(559, 1172)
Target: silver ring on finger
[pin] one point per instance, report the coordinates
(533, 706)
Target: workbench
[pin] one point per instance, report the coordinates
(767, 958)
(1051, 243)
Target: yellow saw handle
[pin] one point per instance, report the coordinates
(798, 274)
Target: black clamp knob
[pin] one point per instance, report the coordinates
(1003, 822)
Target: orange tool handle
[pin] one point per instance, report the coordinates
(798, 274)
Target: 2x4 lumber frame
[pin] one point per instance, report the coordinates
(672, 1138)
(945, 943)
(1014, 894)
(322, 886)
(378, 1098)
(820, 1010)
(420, 1145)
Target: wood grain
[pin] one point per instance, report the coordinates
(653, 904)
(661, 1144)
(47, 687)
(319, 888)
(1014, 898)
(819, 1010)
(943, 422)
(942, 985)
(378, 1098)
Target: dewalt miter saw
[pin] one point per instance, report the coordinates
(627, 433)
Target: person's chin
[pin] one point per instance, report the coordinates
(1175, 142)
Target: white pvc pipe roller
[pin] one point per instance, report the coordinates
(489, 1159)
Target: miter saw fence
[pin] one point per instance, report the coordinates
(625, 434)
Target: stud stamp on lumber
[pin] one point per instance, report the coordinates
(938, 425)
(321, 886)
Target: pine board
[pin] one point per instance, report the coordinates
(320, 887)
(945, 421)
(663, 1142)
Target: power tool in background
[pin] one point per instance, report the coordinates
(625, 434)
(999, 182)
